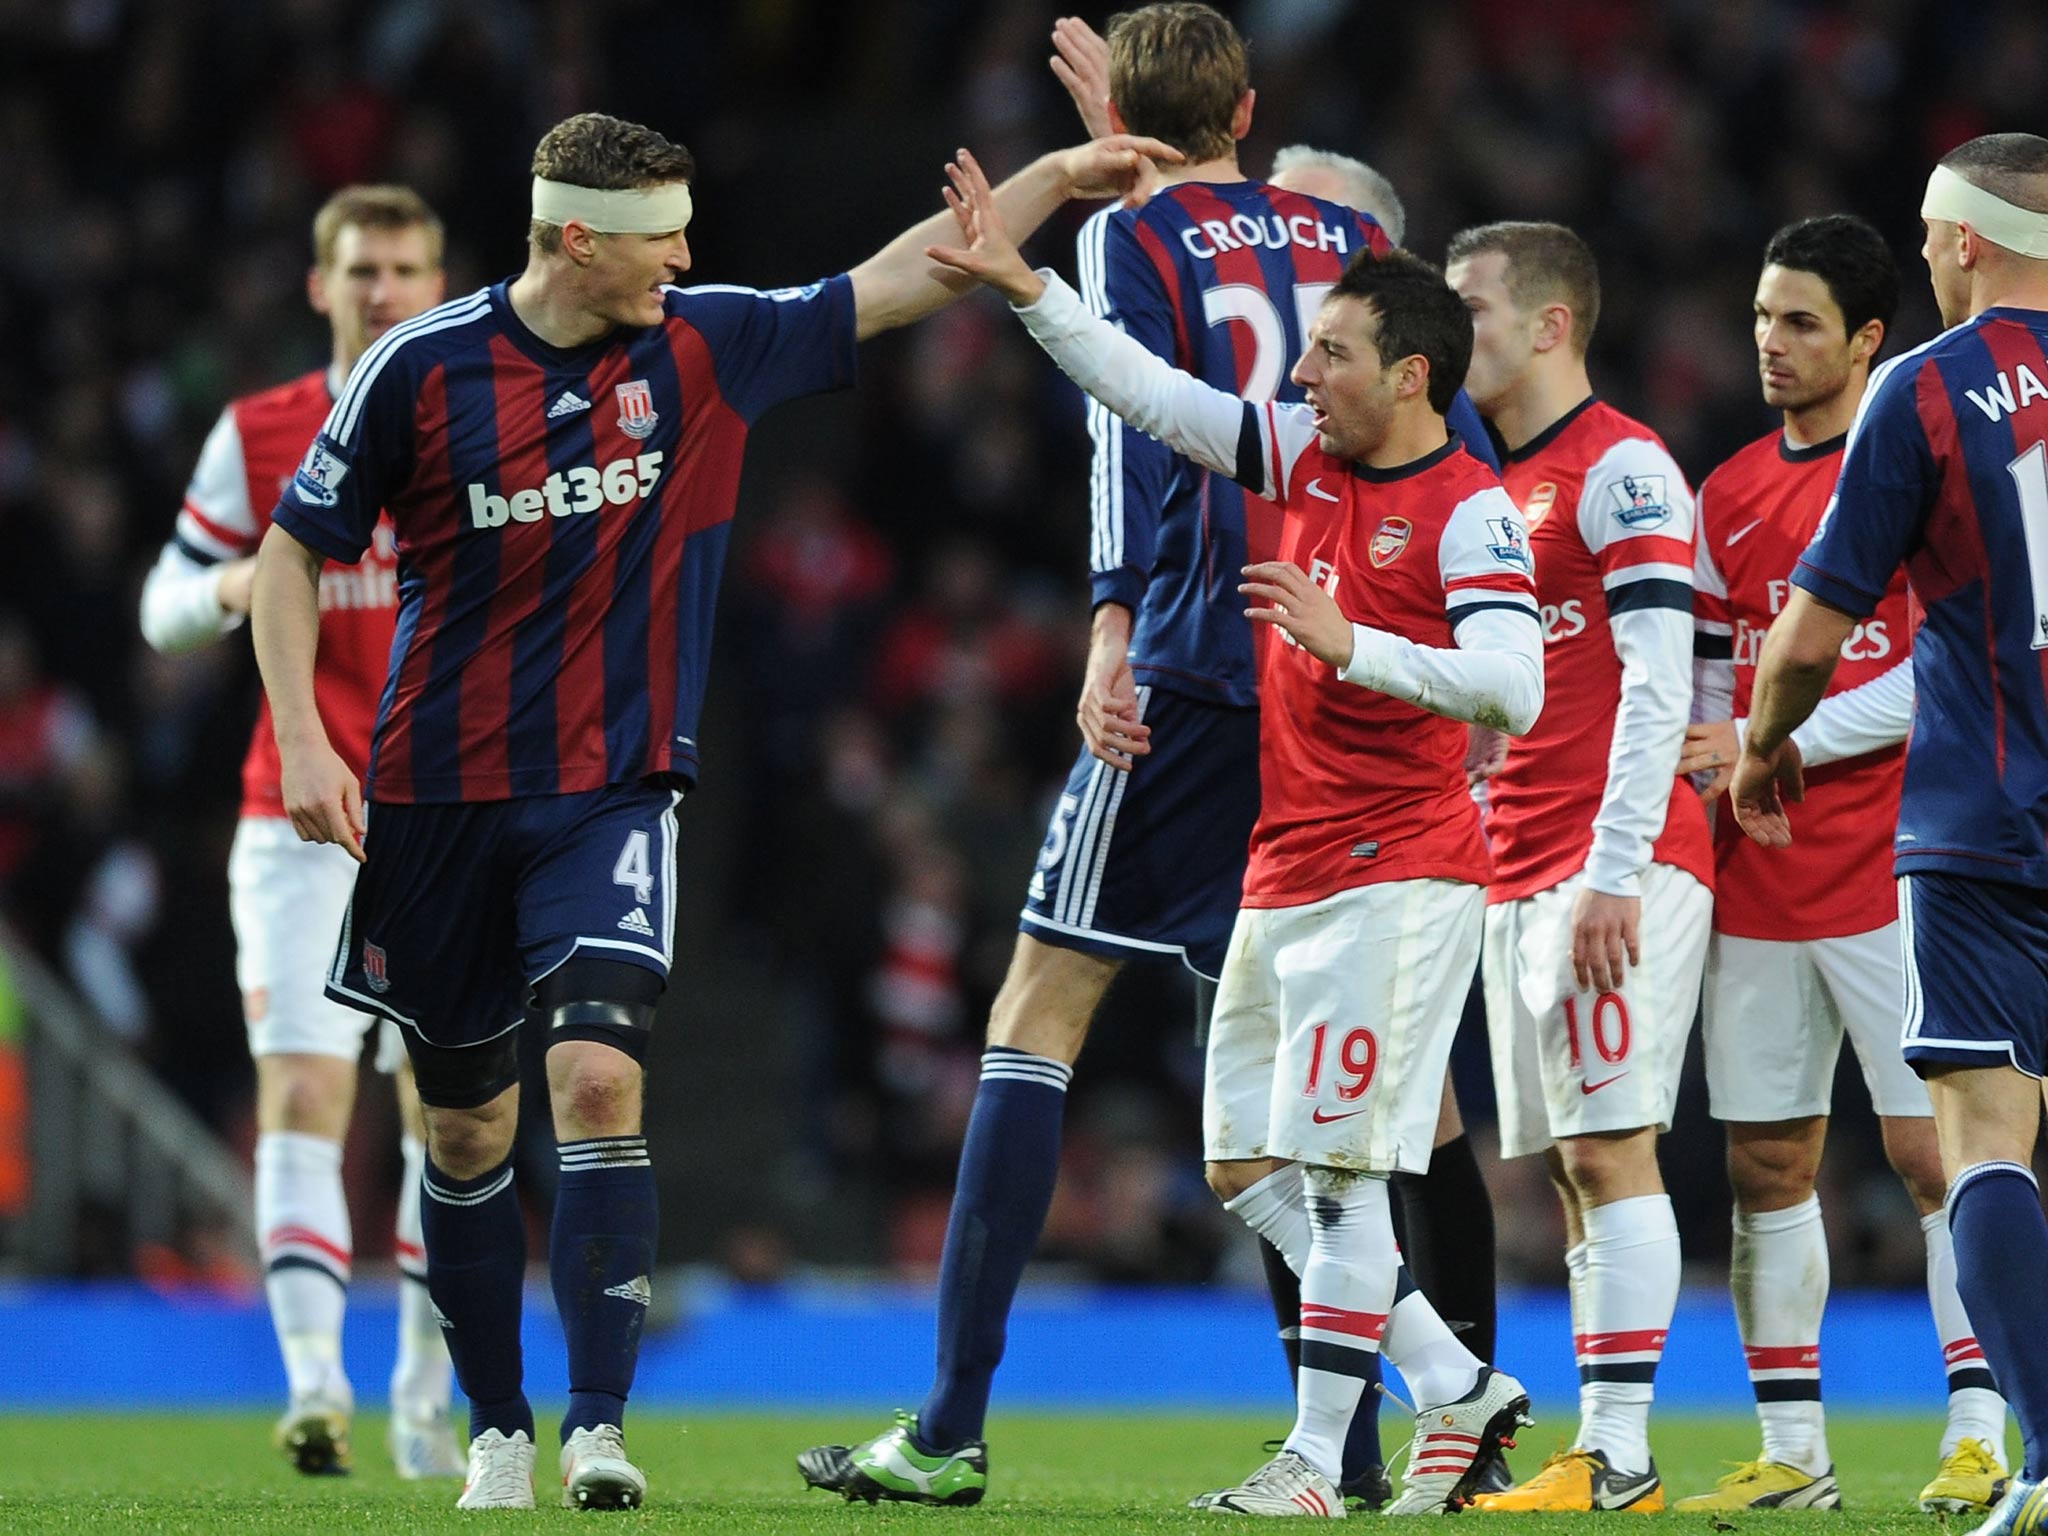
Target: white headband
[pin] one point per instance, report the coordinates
(636, 211)
(1951, 198)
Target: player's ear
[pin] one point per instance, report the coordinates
(1116, 119)
(1413, 378)
(1864, 345)
(1553, 326)
(1241, 115)
(316, 290)
(579, 242)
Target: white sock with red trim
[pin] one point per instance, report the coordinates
(1347, 1289)
(1630, 1294)
(420, 1379)
(1975, 1408)
(1778, 1275)
(302, 1217)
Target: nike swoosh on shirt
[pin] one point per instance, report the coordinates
(1742, 533)
(1322, 1119)
(1315, 489)
(1596, 1087)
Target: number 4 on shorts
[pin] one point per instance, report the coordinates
(635, 868)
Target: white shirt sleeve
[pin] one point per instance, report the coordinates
(1867, 718)
(1637, 517)
(1494, 674)
(181, 608)
(1713, 631)
(1255, 445)
(181, 595)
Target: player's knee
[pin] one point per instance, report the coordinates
(465, 1143)
(595, 1088)
(1601, 1169)
(309, 1094)
(1771, 1175)
(1231, 1179)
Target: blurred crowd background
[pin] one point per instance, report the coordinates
(905, 616)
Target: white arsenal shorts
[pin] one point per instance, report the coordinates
(287, 898)
(1569, 1063)
(1333, 1026)
(1776, 1012)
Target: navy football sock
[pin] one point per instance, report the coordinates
(476, 1267)
(1008, 1167)
(600, 1254)
(1448, 1240)
(2001, 1238)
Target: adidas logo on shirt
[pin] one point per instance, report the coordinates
(635, 921)
(568, 403)
(635, 1289)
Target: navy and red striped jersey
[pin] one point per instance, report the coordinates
(1222, 280)
(561, 520)
(1947, 472)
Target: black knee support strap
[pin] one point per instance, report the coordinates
(465, 1078)
(609, 1001)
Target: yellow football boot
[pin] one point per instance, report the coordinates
(1768, 1485)
(1969, 1477)
(1579, 1481)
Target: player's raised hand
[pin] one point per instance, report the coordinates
(986, 253)
(1711, 748)
(1081, 61)
(1298, 608)
(1762, 786)
(1605, 930)
(1122, 165)
(322, 798)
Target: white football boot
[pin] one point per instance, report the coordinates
(423, 1444)
(500, 1472)
(596, 1473)
(1286, 1485)
(1454, 1442)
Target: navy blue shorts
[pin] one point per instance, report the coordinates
(460, 909)
(1151, 862)
(1976, 956)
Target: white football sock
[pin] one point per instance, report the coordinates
(302, 1217)
(1778, 1275)
(420, 1379)
(1273, 1209)
(1975, 1408)
(1420, 1345)
(1347, 1289)
(1631, 1292)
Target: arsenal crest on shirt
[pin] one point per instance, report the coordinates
(637, 416)
(1388, 541)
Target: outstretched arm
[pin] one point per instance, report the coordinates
(1219, 431)
(902, 283)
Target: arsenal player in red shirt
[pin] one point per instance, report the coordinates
(1805, 947)
(377, 261)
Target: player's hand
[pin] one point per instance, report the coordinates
(1710, 748)
(1762, 786)
(1605, 931)
(1108, 711)
(1122, 165)
(1486, 753)
(323, 798)
(1299, 608)
(1081, 61)
(237, 579)
(986, 253)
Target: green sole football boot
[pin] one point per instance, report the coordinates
(891, 1466)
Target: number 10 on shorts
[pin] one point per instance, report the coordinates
(1358, 1058)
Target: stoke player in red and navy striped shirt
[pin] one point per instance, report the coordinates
(1946, 472)
(559, 455)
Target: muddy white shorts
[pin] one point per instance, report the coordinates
(1333, 1025)
(1569, 1063)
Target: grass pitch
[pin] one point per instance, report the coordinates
(723, 1472)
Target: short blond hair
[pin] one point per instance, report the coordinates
(374, 207)
(1177, 71)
